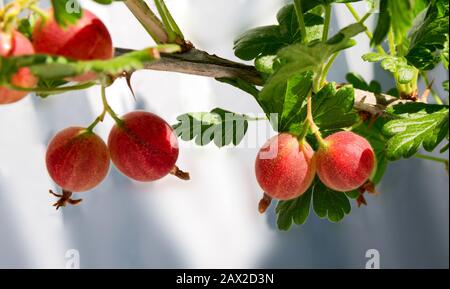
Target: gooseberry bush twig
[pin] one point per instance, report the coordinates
(292, 60)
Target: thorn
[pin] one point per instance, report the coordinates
(180, 174)
(128, 76)
(264, 203)
(424, 97)
(373, 119)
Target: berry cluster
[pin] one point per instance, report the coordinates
(141, 144)
(285, 167)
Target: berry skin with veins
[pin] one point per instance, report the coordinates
(16, 44)
(144, 147)
(77, 159)
(346, 162)
(285, 167)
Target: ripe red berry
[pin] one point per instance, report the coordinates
(77, 159)
(88, 39)
(144, 147)
(16, 44)
(284, 167)
(346, 162)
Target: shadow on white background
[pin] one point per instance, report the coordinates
(211, 221)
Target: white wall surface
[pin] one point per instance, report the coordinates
(212, 220)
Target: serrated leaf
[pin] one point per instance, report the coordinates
(403, 72)
(267, 40)
(330, 204)
(220, 126)
(287, 19)
(428, 36)
(418, 125)
(299, 58)
(294, 211)
(333, 108)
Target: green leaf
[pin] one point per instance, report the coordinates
(427, 37)
(328, 203)
(221, 126)
(333, 108)
(357, 81)
(66, 12)
(288, 22)
(258, 42)
(294, 211)
(402, 16)
(383, 24)
(267, 40)
(25, 27)
(293, 111)
(399, 66)
(417, 124)
(445, 85)
(444, 148)
(266, 64)
(374, 135)
(299, 58)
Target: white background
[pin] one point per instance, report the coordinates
(211, 221)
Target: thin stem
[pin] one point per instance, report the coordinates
(169, 22)
(170, 32)
(148, 19)
(326, 26)
(39, 11)
(56, 90)
(362, 20)
(99, 119)
(109, 109)
(301, 20)
(433, 159)
(314, 128)
(327, 67)
(391, 39)
(430, 87)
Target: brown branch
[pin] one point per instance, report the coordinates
(198, 62)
